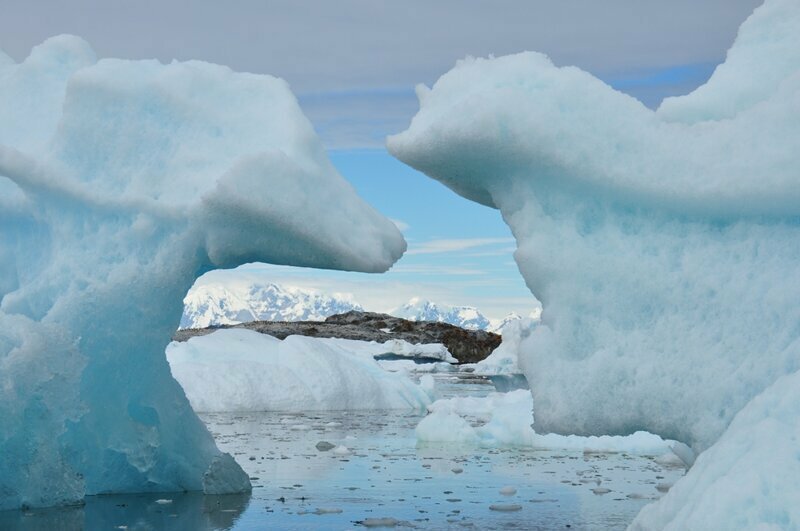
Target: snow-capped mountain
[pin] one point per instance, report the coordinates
(217, 304)
(497, 326)
(418, 309)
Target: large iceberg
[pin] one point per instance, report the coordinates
(243, 370)
(663, 245)
(120, 183)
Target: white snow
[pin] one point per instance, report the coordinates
(121, 182)
(662, 245)
(418, 309)
(220, 303)
(242, 370)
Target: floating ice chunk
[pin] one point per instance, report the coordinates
(663, 245)
(747, 479)
(120, 182)
(243, 370)
(508, 491)
(341, 451)
(506, 508)
(501, 419)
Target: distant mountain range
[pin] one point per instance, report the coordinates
(223, 304)
(216, 304)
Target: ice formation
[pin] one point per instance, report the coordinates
(506, 419)
(242, 370)
(120, 183)
(748, 479)
(663, 245)
(504, 360)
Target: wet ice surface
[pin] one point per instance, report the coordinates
(382, 480)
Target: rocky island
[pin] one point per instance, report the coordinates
(468, 346)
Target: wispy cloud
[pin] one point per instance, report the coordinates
(401, 225)
(454, 245)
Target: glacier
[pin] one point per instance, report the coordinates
(662, 244)
(243, 370)
(121, 182)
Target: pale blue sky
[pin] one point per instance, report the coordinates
(353, 65)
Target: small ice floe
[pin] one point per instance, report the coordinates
(350, 438)
(324, 446)
(327, 510)
(663, 487)
(508, 490)
(505, 507)
(386, 330)
(457, 470)
(300, 427)
(163, 501)
(380, 522)
(600, 491)
(333, 424)
(342, 450)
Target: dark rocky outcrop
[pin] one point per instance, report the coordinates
(468, 346)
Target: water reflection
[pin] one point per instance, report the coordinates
(191, 511)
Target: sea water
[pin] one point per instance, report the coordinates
(377, 475)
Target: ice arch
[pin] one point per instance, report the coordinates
(120, 183)
(663, 245)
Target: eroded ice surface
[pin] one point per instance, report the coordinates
(663, 245)
(120, 183)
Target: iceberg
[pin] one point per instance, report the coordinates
(121, 182)
(506, 419)
(748, 479)
(662, 244)
(242, 370)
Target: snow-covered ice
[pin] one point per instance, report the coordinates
(662, 245)
(748, 479)
(120, 183)
(242, 370)
(502, 419)
(504, 360)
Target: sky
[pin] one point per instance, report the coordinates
(353, 65)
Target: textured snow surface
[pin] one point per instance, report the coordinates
(748, 479)
(242, 370)
(507, 419)
(120, 182)
(663, 245)
(213, 304)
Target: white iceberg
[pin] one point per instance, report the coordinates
(663, 245)
(664, 249)
(120, 183)
(506, 419)
(242, 370)
(748, 479)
